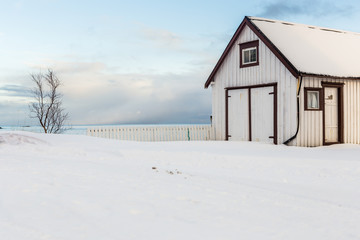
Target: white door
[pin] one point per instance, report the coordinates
(262, 114)
(238, 115)
(331, 115)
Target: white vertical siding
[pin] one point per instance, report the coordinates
(311, 122)
(310, 129)
(270, 70)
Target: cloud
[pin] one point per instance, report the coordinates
(281, 9)
(94, 94)
(161, 37)
(15, 90)
(157, 86)
(68, 67)
(134, 98)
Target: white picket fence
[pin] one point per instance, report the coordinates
(153, 133)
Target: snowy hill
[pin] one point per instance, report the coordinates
(78, 187)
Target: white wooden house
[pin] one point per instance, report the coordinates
(282, 82)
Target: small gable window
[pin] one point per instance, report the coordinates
(313, 99)
(249, 54)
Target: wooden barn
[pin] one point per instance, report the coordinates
(281, 82)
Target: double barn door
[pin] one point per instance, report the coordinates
(251, 113)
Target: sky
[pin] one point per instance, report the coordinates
(133, 62)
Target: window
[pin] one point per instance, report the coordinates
(249, 54)
(313, 99)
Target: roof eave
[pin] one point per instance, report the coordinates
(267, 42)
(319, 75)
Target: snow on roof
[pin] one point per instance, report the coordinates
(314, 50)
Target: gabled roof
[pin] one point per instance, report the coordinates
(303, 49)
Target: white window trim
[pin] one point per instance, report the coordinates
(243, 55)
(317, 96)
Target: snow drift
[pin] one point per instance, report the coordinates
(78, 187)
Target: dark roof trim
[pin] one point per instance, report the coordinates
(304, 74)
(261, 35)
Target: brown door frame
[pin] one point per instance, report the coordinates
(249, 87)
(340, 89)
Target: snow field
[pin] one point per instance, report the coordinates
(78, 187)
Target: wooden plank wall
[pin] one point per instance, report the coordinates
(270, 70)
(311, 122)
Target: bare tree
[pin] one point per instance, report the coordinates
(47, 107)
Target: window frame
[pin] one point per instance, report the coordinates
(249, 45)
(321, 98)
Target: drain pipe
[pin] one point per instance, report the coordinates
(298, 114)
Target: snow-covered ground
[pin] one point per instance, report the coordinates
(78, 187)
